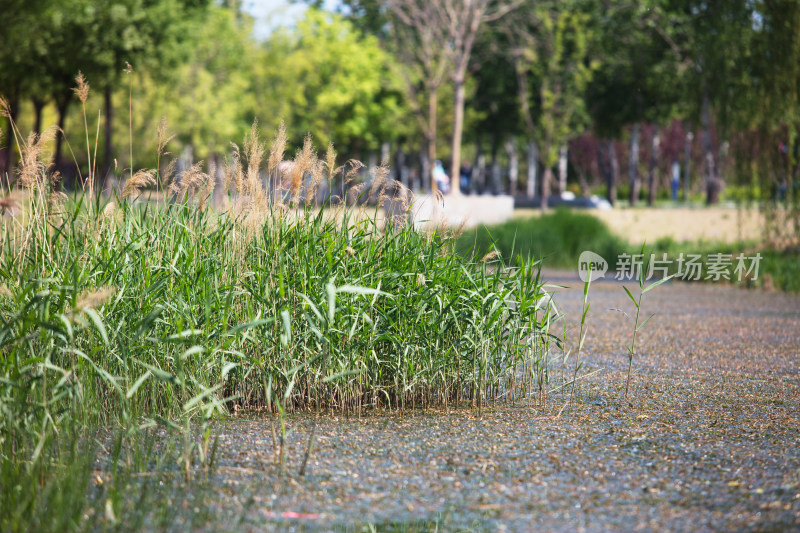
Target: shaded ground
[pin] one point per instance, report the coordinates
(708, 442)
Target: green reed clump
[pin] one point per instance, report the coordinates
(146, 312)
(130, 314)
(174, 311)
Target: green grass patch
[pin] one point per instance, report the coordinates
(556, 238)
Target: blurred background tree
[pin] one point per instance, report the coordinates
(589, 91)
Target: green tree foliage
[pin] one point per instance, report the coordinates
(337, 83)
(640, 74)
(551, 58)
(50, 41)
(208, 100)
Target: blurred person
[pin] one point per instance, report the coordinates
(441, 178)
(465, 174)
(676, 179)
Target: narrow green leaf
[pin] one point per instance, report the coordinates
(139, 382)
(657, 283)
(631, 297)
(645, 322)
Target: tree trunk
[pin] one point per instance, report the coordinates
(385, 152)
(495, 168)
(687, 164)
(546, 179)
(7, 173)
(604, 166)
(654, 149)
(613, 163)
(38, 106)
(108, 151)
(433, 96)
(458, 126)
(513, 166)
(633, 168)
(711, 178)
(400, 164)
(478, 180)
(562, 169)
(532, 169)
(425, 169)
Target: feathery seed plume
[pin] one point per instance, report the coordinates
(82, 89)
(94, 299)
(303, 161)
(163, 136)
(137, 182)
(277, 148)
(355, 167)
(254, 153)
(491, 255)
(5, 108)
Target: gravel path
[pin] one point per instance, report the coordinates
(710, 440)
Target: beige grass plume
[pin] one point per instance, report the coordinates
(94, 299)
(491, 255)
(32, 169)
(111, 211)
(355, 168)
(168, 176)
(379, 175)
(303, 161)
(5, 292)
(164, 137)
(254, 153)
(317, 176)
(192, 182)
(5, 108)
(234, 174)
(82, 89)
(277, 149)
(330, 161)
(137, 182)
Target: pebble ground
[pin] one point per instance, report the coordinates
(709, 439)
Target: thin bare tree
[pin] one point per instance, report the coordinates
(445, 31)
(417, 39)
